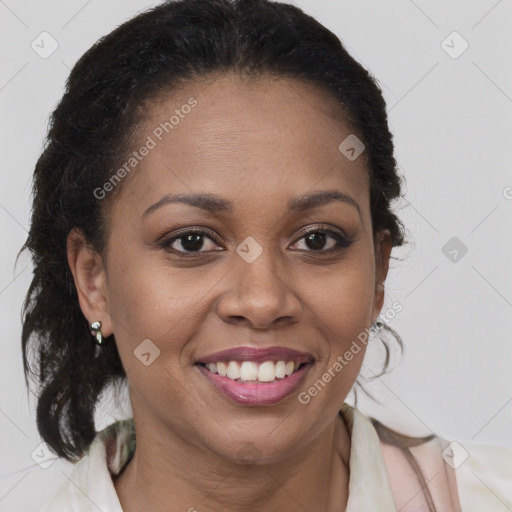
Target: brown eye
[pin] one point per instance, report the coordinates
(316, 240)
(190, 241)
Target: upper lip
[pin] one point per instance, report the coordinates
(257, 355)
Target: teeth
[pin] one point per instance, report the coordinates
(248, 370)
(212, 367)
(222, 369)
(267, 371)
(280, 369)
(233, 370)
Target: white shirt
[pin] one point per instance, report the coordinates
(380, 480)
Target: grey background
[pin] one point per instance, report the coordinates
(451, 120)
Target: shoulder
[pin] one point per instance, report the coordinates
(484, 476)
(89, 487)
(432, 473)
(73, 492)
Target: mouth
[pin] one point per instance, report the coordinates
(250, 371)
(256, 377)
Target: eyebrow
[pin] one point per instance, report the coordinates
(215, 204)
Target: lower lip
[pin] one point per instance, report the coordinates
(256, 393)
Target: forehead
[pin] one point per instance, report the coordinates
(255, 141)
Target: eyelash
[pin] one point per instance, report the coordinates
(342, 242)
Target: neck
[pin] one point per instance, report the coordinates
(175, 475)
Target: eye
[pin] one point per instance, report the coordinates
(191, 241)
(315, 239)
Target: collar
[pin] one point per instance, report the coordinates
(368, 486)
(90, 486)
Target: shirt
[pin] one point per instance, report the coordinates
(459, 476)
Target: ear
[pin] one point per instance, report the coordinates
(383, 246)
(90, 280)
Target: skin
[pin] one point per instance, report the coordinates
(256, 144)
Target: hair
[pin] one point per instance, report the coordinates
(90, 131)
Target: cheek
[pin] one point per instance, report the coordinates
(342, 307)
(344, 317)
(148, 303)
(344, 300)
(150, 300)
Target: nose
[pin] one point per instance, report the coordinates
(258, 295)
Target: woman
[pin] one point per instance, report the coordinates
(212, 223)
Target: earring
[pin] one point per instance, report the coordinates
(96, 332)
(98, 337)
(376, 326)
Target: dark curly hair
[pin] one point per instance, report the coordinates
(89, 134)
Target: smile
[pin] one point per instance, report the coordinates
(267, 371)
(256, 377)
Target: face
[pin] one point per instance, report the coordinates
(253, 273)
